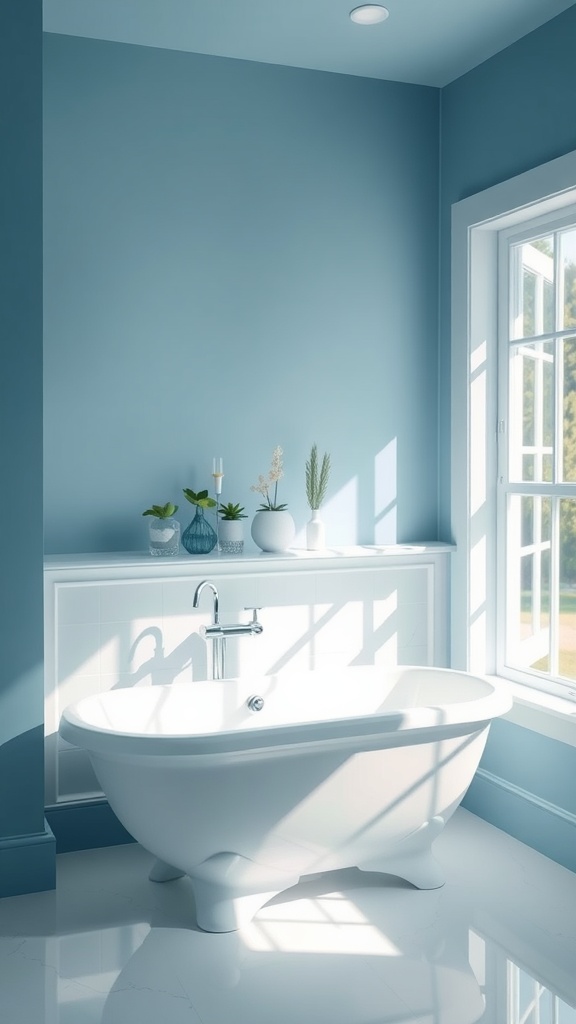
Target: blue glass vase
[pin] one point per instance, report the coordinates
(199, 538)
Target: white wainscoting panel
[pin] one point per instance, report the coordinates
(128, 620)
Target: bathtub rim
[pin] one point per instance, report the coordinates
(402, 725)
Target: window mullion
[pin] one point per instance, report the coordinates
(558, 471)
(538, 420)
(537, 566)
(554, 584)
(558, 364)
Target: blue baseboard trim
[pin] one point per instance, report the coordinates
(86, 825)
(538, 823)
(28, 863)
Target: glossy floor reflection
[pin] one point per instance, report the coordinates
(496, 944)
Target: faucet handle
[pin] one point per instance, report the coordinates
(254, 626)
(250, 608)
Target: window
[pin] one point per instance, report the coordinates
(513, 434)
(536, 504)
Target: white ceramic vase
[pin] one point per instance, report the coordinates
(231, 536)
(315, 532)
(273, 531)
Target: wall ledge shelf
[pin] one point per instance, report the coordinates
(137, 563)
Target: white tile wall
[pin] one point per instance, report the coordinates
(133, 599)
(78, 603)
(103, 634)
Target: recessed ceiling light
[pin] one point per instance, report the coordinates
(369, 14)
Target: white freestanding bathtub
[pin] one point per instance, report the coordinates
(359, 767)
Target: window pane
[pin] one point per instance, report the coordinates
(528, 304)
(569, 411)
(567, 610)
(532, 412)
(535, 267)
(534, 646)
(527, 522)
(529, 542)
(568, 258)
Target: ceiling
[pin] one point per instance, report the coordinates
(427, 42)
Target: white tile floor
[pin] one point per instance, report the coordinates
(496, 944)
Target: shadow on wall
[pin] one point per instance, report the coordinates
(21, 766)
(162, 669)
(158, 664)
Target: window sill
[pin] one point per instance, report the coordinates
(542, 712)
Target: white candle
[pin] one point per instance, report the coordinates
(218, 473)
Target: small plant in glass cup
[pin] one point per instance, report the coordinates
(231, 528)
(161, 511)
(164, 530)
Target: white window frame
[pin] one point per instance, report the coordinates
(544, 191)
(507, 238)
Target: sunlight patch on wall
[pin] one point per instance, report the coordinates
(385, 629)
(342, 507)
(478, 582)
(478, 409)
(386, 495)
(478, 357)
(478, 619)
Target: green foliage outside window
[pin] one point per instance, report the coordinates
(567, 507)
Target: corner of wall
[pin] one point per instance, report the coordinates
(28, 863)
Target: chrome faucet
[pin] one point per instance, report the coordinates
(199, 589)
(218, 632)
(218, 655)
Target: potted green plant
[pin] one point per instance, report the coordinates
(199, 538)
(163, 530)
(231, 528)
(317, 475)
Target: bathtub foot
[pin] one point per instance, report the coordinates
(412, 858)
(163, 872)
(422, 871)
(217, 913)
(230, 889)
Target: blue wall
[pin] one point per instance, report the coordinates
(510, 114)
(237, 255)
(26, 845)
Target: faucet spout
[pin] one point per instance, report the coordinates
(218, 655)
(199, 589)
